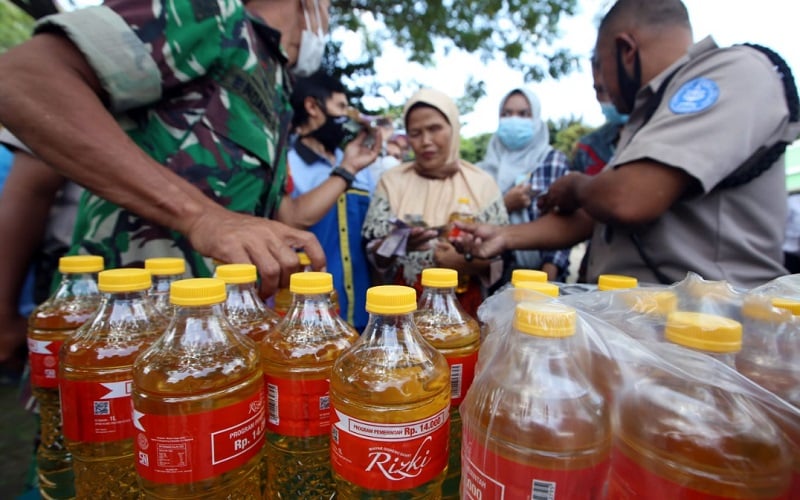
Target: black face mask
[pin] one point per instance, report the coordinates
(628, 86)
(331, 133)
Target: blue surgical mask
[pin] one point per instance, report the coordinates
(515, 132)
(612, 115)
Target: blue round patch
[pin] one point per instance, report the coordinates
(694, 96)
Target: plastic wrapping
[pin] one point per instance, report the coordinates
(685, 423)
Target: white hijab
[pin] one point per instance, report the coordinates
(505, 165)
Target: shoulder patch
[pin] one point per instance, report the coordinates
(694, 96)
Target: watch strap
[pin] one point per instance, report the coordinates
(342, 172)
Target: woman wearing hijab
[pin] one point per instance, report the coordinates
(424, 192)
(519, 157)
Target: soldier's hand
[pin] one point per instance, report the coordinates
(270, 245)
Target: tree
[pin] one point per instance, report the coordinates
(473, 149)
(16, 26)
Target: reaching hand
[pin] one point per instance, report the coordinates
(480, 240)
(357, 155)
(562, 195)
(518, 197)
(237, 238)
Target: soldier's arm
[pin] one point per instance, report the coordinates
(52, 100)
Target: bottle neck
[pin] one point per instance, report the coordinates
(130, 313)
(441, 302)
(199, 328)
(162, 282)
(393, 331)
(307, 307)
(243, 297)
(77, 285)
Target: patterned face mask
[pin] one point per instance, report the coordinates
(515, 132)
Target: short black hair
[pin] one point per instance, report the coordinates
(319, 85)
(647, 13)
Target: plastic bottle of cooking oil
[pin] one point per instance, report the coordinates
(534, 426)
(198, 403)
(96, 366)
(390, 395)
(164, 270)
(769, 356)
(296, 359)
(462, 213)
(677, 438)
(74, 302)
(446, 326)
(283, 297)
(243, 308)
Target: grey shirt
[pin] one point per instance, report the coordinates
(719, 108)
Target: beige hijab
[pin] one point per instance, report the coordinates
(409, 193)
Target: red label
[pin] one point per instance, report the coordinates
(43, 356)
(181, 449)
(629, 480)
(298, 407)
(397, 456)
(487, 475)
(96, 412)
(462, 373)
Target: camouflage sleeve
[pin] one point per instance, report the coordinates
(141, 49)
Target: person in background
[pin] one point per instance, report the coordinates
(330, 187)
(423, 193)
(674, 198)
(175, 119)
(594, 150)
(523, 163)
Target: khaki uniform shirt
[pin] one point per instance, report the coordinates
(719, 108)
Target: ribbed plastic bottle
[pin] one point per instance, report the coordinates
(198, 403)
(677, 438)
(243, 307)
(283, 297)
(446, 326)
(649, 309)
(463, 213)
(164, 271)
(534, 426)
(607, 282)
(297, 359)
(390, 396)
(73, 303)
(769, 356)
(96, 366)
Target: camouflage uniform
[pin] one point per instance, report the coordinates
(200, 86)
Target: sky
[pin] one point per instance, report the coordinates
(772, 23)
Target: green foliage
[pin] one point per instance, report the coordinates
(15, 25)
(519, 30)
(566, 132)
(473, 149)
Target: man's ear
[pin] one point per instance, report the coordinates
(627, 47)
(312, 107)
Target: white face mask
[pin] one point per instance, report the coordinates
(312, 46)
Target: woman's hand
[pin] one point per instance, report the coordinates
(420, 239)
(518, 197)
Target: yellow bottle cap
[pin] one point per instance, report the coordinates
(197, 292)
(705, 332)
(124, 280)
(760, 309)
(656, 302)
(236, 274)
(438, 277)
(391, 299)
(80, 264)
(607, 282)
(303, 258)
(522, 290)
(523, 275)
(464, 200)
(791, 305)
(311, 282)
(545, 319)
(165, 266)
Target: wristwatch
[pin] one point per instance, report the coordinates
(342, 172)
